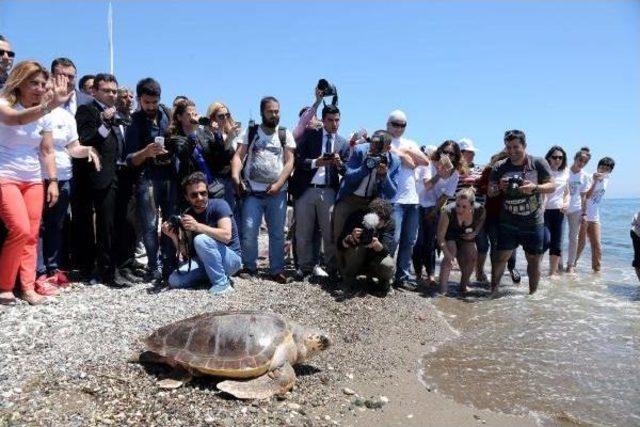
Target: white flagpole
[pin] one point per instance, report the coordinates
(110, 29)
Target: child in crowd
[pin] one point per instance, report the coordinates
(595, 195)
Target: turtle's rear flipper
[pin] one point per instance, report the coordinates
(276, 382)
(177, 379)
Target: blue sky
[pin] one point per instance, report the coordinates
(567, 73)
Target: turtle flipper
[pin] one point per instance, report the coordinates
(276, 382)
(177, 379)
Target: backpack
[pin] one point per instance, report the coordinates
(263, 169)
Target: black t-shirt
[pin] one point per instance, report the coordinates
(217, 209)
(521, 209)
(455, 230)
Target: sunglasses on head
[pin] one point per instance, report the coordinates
(195, 194)
(398, 125)
(10, 53)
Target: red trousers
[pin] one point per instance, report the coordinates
(20, 210)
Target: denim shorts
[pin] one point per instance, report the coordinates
(530, 237)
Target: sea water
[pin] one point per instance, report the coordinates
(570, 353)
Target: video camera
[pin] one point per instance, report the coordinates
(328, 89)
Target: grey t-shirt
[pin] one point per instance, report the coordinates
(519, 209)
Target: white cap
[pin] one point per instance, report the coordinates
(398, 115)
(466, 144)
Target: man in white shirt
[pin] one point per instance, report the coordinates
(405, 202)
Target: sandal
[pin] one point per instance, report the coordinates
(8, 300)
(515, 275)
(46, 287)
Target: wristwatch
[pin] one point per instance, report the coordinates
(54, 179)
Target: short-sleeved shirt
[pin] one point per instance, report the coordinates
(442, 187)
(578, 183)
(455, 230)
(20, 148)
(555, 200)
(217, 209)
(524, 210)
(266, 147)
(65, 131)
(593, 203)
(406, 179)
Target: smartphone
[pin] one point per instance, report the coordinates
(239, 125)
(445, 161)
(159, 140)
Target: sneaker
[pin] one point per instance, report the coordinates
(221, 289)
(118, 281)
(281, 278)
(130, 276)
(61, 279)
(153, 276)
(246, 274)
(300, 275)
(407, 285)
(319, 272)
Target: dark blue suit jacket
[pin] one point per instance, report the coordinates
(357, 170)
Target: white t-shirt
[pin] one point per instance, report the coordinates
(443, 186)
(593, 203)
(578, 183)
(65, 132)
(406, 178)
(266, 147)
(20, 148)
(555, 199)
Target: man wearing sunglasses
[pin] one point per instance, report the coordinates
(212, 247)
(6, 59)
(522, 179)
(405, 202)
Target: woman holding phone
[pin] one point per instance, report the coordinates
(436, 183)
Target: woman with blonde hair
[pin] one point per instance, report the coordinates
(458, 227)
(26, 139)
(225, 130)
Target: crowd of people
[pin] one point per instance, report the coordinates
(89, 175)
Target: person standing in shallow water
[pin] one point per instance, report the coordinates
(635, 239)
(578, 184)
(556, 205)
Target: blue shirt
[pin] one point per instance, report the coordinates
(217, 209)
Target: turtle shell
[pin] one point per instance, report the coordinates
(230, 344)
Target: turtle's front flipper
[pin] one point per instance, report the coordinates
(177, 379)
(276, 382)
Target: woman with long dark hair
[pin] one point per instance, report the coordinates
(556, 205)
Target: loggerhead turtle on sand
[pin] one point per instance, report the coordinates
(254, 347)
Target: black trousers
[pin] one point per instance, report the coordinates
(125, 238)
(83, 239)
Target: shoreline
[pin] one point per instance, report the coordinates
(75, 370)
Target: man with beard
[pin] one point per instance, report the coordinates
(6, 59)
(265, 159)
(156, 183)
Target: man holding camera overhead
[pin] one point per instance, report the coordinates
(156, 184)
(314, 185)
(371, 172)
(522, 179)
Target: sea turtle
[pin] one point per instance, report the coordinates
(257, 347)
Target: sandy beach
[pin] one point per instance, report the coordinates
(67, 362)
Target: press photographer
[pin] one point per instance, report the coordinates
(366, 243)
(209, 245)
(522, 179)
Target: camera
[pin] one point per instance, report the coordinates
(328, 156)
(375, 160)
(202, 121)
(175, 222)
(118, 121)
(327, 88)
(369, 228)
(513, 184)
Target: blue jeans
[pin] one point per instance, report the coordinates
(51, 235)
(274, 209)
(407, 219)
(152, 194)
(213, 261)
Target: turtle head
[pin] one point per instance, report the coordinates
(309, 342)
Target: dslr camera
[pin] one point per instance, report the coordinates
(513, 183)
(175, 222)
(376, 155)
(118, 120)
(369, 228)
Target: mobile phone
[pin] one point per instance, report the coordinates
(159, 140)
(239, 125)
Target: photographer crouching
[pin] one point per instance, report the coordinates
(367, 243)
(206, 236)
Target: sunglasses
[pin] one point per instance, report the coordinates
(223, 116)
(556, 157)
(9, 53)
(195, 194)
(398, 125)
(449, 153)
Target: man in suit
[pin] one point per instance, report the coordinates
(314, 186)
(97, 128)
(371, 172)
